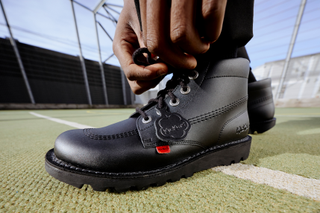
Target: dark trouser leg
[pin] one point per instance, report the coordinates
(242, 53)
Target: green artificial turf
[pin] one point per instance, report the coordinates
(25, 186)
(292, 146)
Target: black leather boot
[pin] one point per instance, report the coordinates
(197, 122)
(260, 106)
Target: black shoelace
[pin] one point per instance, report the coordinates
(178, 78)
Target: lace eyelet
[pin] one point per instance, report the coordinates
(176, 103)
(196, 75)
(146, 121)
(158, 112)
(185, 92)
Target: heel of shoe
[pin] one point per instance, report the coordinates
(261, 127)
(234, 152)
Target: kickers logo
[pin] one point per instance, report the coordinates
(180, 129)
(241, 129)
(171, 127)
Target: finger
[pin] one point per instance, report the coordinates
(143, 14)
(140, 78)
(137, 72)
(133, 72)
(124, 44)
(157, 38)
(126, 30)
(213, 14)
(182, 27)
(138, 87)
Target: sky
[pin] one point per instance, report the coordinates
(49, 24)
(274, 23)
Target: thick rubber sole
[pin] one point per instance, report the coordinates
(230, 153)
(263, 126)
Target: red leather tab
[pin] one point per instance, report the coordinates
(163, 149)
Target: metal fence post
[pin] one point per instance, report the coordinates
(124, 92)
(104, 87)
(281, 88)
(16, 51)
(81, 57)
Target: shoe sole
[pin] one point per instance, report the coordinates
(233, 152)
(261, 127)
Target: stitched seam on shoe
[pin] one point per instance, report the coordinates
(70, 166)
(228, 121)
(185, 104)
(206, 72)
(148, 127)
(208, 116)
(93, 136)
(184, 142)
(217, 112)
(225, 76)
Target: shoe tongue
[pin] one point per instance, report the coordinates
(151, 104)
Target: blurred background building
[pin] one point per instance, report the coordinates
(60, 52)
(302, 79)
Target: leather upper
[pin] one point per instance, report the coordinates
(260, 101)
(215, 108)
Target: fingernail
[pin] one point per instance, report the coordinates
(192, 62)
(162, 72)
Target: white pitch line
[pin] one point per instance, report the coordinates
(295, 184)
(69, 123)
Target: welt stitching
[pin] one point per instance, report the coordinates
(217, 112)
(74, 168)
(186, 142)
(93, 136)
